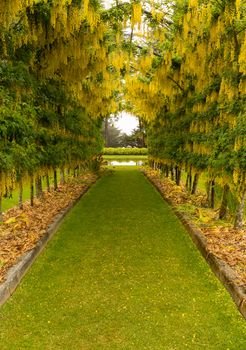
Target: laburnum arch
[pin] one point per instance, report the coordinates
(179, 65)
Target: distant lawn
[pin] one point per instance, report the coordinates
(9, 203)
(218, 191)
(121, 274)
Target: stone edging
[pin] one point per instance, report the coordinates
(17, 272)
(220, 268)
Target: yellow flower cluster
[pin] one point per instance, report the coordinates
(136, 14)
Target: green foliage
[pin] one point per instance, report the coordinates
(41, 124)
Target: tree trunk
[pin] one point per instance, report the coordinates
(1, 197)
(188, 183)
(177, 175)
(47, 181)
(40, 186)
(212, 198)
(106, 131)
(1, 210)
(224, 202)
(166, 171)
(31, 191)
(55, 180)
(37, 186)
(172, 173)
(20, 194)
(62, 176)
(208, 191)
(195, 183)
(142, 137)
(75, 171)
(238, 223)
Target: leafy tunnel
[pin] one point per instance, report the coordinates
(180, 66)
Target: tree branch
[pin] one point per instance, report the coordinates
(175, 82)
(154, 52)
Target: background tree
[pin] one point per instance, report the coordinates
(113, 137)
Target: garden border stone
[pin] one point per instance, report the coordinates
(220, 268)
(17, 271)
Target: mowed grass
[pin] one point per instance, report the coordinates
(121, 273)
(11, 202)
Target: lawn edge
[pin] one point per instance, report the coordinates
(220, 268)
(18, 270)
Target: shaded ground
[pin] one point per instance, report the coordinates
(121, 273)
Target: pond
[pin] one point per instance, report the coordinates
(125, 161)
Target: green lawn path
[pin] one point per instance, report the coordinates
(121, 273)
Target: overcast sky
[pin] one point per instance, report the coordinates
(126, 122)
